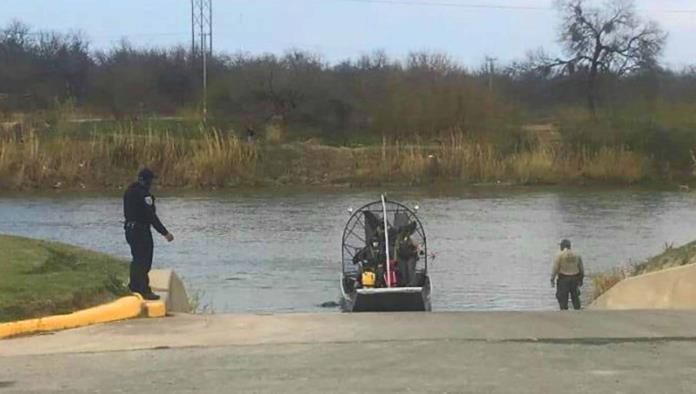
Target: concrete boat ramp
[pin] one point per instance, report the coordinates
(460, 352)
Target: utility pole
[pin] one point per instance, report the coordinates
(490, 70)
(202, 26)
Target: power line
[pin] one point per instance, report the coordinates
(491, 6)
(172, 34)
(114, 36)
(448, 4)
(667, 11)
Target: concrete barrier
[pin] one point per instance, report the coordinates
(121, 309)
(167, 284)
(672, 288)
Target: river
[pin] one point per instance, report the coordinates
(279, 251)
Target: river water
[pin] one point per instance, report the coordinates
(279, 251)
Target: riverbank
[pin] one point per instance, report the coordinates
(671, 257)
(213, 160)
(40, 278)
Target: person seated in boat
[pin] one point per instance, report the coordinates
(371, 258)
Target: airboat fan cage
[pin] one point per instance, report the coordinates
(362, 227)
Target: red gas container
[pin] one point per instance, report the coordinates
(390, 274)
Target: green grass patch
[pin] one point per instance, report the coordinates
(40, 278)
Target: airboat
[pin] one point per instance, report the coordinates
(384, 260)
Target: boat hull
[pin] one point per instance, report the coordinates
(395, 299)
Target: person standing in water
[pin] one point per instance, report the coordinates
(567, 275)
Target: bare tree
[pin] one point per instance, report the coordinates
(611, 39)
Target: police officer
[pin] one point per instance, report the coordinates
(567, 274)
(140, 213)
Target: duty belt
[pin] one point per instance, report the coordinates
(132, 225)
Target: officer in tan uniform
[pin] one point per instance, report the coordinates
(567, 275)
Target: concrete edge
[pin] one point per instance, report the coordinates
(661, 289)
(169, 286)
(660, 271)
(121, 309)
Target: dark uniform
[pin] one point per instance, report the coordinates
(407, 255)
(140, 213)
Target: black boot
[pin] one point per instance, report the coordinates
(151, 296)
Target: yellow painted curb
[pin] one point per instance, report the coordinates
(121, 309)
(155, 309)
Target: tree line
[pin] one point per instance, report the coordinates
(610, 63)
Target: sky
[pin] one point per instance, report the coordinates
(339, 29)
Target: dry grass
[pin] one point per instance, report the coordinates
(602, 282)
(274, 134)
(669, 258)
(542, 165)
(216, 159)
(615, 165)
(465, 159)
(210, 158)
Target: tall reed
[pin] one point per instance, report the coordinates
(466, 159)
(211, 158)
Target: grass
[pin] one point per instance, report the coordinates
(462, 158)
(211, 158)
(198, 307)
(604, 281)
(670, 257)
(41, 160)
(39, 278)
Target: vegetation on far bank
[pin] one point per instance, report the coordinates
(605, 110)
(39, 278)
(215, 159)
(671, 257)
